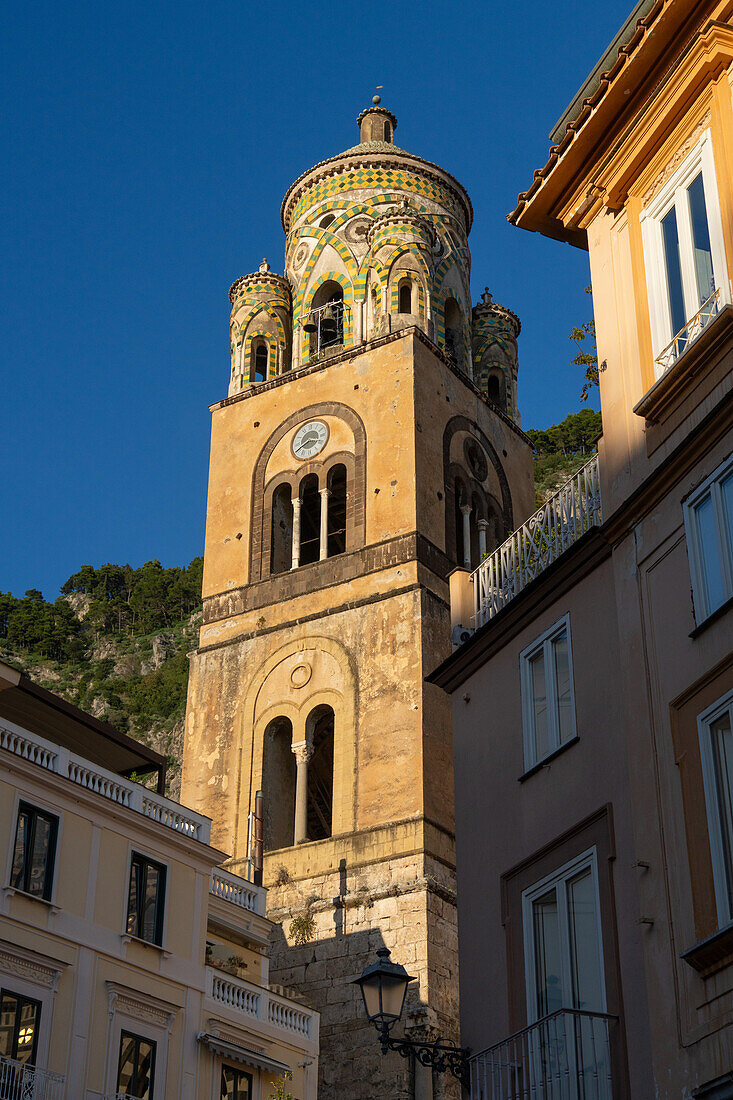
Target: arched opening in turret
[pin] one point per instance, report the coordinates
(336, 510)
(281, 536)
(320, 727)
(454, 331)
(325, 222)
(310, 520)
(496, 390)
(259, 356)
(278, 785)
(404, 295)
(387, 132)
(327, 315)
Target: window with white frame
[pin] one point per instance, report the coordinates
(562, 940)
(708, 516)
(548, 702)
(715, 727)
(684, 255)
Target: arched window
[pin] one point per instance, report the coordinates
(281, 538)
(495, 391)
(405, 296)
(326, 317)
(320, 725)
(387, 132)
(310, 520)
(259, 356)
(454, 331)
(278, 785)
(336, 510)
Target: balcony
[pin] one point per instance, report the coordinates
(688, 334)
(109, 785)
(238, 891)
(258, 1003)
(19, 1081)
(565, 1056)
(560, 522)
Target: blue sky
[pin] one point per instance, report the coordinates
(147, 147)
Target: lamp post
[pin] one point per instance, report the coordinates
(384, 986)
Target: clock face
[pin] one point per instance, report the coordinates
(309, 439)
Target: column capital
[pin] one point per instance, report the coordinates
(325, 492)
(302, 751)
(466, 509)
(483, 524)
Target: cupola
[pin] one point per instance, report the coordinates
(495, 355)
(377, 123)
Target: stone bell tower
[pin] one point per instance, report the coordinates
(357, 460)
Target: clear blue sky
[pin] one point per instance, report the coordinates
(146, 149)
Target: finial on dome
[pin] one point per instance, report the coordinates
(376, 100)
(264, 266)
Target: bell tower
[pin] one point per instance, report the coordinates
(356, 461)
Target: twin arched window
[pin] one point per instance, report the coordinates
(297, 781)
(479, 527)
(311, 526)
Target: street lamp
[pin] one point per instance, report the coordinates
(384, 986)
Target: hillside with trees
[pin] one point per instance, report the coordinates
(561, 450)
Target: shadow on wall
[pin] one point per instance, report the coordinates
(321, 973)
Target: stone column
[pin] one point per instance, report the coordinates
(303, 751)
(296, 533)
(466, 513)
(325, 494)
(483, 526)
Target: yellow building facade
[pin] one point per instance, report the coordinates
(369, 444)
(131, 965)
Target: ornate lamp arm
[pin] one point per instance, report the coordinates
(442, 1055)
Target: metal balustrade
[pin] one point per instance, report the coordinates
(564, 1056)
(19, 1081)
(237, 891)
(108, 785)
(689, 332)
(255, 1001)
(560, 522)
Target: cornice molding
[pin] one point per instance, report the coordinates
(27, 965)
(139, 1006)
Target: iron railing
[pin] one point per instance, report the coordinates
(564, 1056)
(568, 514)
(689, 332)
(19, 1081)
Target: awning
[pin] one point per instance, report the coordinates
(241, 1054)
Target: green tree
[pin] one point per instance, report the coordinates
(584, 338)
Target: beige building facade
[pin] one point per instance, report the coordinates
(369, 443)
(131, 964)
(592, 704)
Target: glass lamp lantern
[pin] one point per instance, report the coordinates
(383, 987)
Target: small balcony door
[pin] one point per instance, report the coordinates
(569, 1059)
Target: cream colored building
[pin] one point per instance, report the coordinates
(131, 965)
(592, 707)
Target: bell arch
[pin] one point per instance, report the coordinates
(300, 682)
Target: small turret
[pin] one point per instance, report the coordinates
(377, 123)
(260, 327)
(495, 355)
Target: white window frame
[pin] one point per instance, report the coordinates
(723, 889)
(587, 859)
(544, 642)
(673, 193)
(710, 487)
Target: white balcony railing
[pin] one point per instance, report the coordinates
(689, 332)
(568, 514)
(259, 1003)
(23, 1082)
(238, 891)
(565, 1056)
(106, 784)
